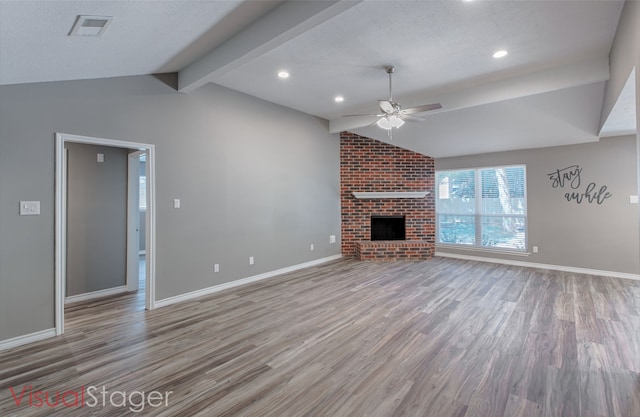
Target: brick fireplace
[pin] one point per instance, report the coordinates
(387, 181)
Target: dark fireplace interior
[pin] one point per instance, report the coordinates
(387, 228)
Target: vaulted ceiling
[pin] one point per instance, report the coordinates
(547, 91)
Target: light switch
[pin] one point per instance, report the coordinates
(29, 208)
(176, 203)
(100, 157)
(633, 199)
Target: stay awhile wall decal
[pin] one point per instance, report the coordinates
(570, 177)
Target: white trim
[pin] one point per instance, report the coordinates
(614, 274)
(104, 142)
(133, 220)
(392, 194)
(27, 338)
(150, 229)
(472, 248)
(60, 233)
(243, 281)
(61, 209)
(95, 294)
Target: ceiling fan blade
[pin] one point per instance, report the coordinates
(386, 106)
(421, 109)
(361, 115)
(411, 118)
(348, 123)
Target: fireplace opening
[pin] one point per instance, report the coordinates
(387, 228)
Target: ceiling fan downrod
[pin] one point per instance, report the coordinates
(390, 70)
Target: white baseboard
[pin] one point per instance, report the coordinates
(243, 281)
(27, 338)
(95, 294)
(573, 269)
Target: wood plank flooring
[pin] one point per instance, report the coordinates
(438, 338)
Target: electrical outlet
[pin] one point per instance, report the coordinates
(176, 203)
(311, 247)
(216, 268)
(29, 208)
(535, 249)
(332, 239)
(250, 260)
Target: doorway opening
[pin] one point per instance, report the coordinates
(137, 231)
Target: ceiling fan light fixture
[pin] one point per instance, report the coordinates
(384, 123)
(396, 121)
(388, 122)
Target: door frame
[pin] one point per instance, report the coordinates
(61, 218)
(133, 220)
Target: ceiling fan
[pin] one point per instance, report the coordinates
(393, 115)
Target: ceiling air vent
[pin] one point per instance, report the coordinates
(90, 25)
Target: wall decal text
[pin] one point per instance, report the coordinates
(570, 177)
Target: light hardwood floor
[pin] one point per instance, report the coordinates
(436, 338)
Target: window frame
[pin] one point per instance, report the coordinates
(478, 215)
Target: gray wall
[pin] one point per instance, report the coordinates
(255, 179)
(593, 236)
(96, 218)
(624, 55)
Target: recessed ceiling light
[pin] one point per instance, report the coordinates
(499, 54)
(339, 99)
(90, 25)
(283, 74)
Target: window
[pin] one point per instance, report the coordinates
(482, 208)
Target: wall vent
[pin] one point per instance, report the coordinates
(90, 25)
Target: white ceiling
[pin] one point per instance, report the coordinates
(548, 91)
(145, 37)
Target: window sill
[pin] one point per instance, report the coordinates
(512, 252)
